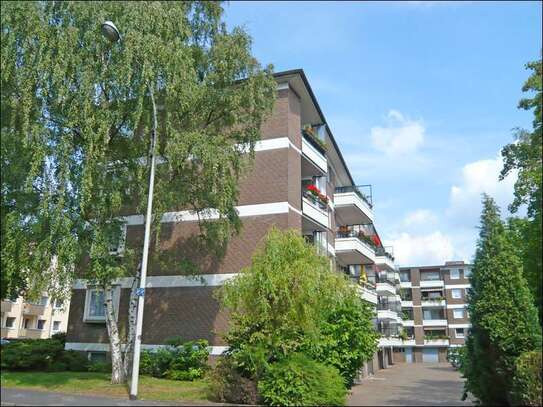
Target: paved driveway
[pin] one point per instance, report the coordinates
(411, 384)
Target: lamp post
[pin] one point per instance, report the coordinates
(112, 34)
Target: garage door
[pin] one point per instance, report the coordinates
(430, 355)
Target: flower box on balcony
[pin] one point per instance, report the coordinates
(309, 132)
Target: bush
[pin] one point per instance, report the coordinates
(180, 361)
(100, 367)
(74, 361)
(228, 385)
(298, 380)
(59, 336)
(527, 379)
(31, 354)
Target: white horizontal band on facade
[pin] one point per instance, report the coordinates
(104, 347)
(450, 286)
(273, 208)
(459, 325)
(198, 280)
(456, 306)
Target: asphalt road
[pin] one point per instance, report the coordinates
(411, 384)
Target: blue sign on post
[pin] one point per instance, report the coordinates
(140, 292)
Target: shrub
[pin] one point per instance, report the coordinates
(100, 367)
(189, 361)
(59, 336)
(31, 354)
(74, 361)
(527, 380)
(298, 380)
(156, 363)
(228, 385)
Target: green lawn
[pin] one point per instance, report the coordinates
(150, 388)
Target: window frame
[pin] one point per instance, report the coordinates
(458, 336)
(12, 325)
(43, 325)
(53, 327)
(455, 310)
(99, 319)
(458, 290)
(455, 273)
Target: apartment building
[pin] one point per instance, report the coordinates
(33, 320)
(434, 310)
(299, 181)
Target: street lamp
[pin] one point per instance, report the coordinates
(112, 34)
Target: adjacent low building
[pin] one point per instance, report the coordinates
(33, 320)
(434, 310)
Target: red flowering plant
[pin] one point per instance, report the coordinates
(316, 192)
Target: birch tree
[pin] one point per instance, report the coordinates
(75, 137)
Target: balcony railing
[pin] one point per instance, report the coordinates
(357, 191)
(389, 331)
(381, 251)
(315, 200)
(352, 233)
(314, 140)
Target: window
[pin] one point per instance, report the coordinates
(10, 322)
(405, 276)
(455, 274)
(41, 324)
(95, 309)
(26, 323)
(467, 273)
(458, 313)
(430, 276)
(116, 246)
(456, 293)
(97, 357)
(56, 325)
(459, 332)
(59, 303)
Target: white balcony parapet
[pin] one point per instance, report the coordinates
(436, 342)
(434, 322)
(431, 283)
(314, 212)
(352, 206)
(405, 284)
(391, 341)
(368, 294)
(407, 304)
(385, 288)
(408, 322)
(354, 250)
(314, 155)
(387, 314)
(385, 261)
(430, 303)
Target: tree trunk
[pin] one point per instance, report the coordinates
(118, 375)
(132, 313)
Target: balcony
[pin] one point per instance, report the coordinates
(314, 152)
(385, 314)
(434, 322)
(33, 309)
(433, 302)
(31, 333)
(385, 286)
(367, 293)
(408, 322)
(352, 206)
(431, 283)
(314, 208)
(7, 306)
(352, 250)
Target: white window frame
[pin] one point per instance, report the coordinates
(99, 319)
(59, 324)
(456, 335)
(455, 274)
(456, 290)
(458, 310)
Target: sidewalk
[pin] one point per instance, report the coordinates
(19, 397)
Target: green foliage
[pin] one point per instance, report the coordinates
(76, 123)
(180, 361)
(31, 354)
(227, 384)
(527, 380)
(347, 339)
(300, 381)
(74, 361)
(525, 157)
(504, 319)
(100, 367)
(456, 356)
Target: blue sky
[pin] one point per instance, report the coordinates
(420, 97)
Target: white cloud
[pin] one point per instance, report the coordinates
(477, 178)
(433, 248)
(400, 137)
(420, 217)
